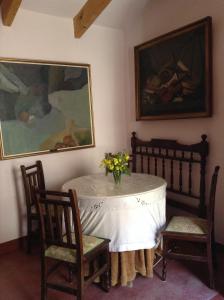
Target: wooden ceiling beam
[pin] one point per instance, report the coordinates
(9, 9)
(87, 15)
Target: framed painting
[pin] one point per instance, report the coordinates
(44, 107)
(173, 74)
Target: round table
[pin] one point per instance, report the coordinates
(131, 214)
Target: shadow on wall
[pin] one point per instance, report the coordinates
(77, 171)
(20, 203)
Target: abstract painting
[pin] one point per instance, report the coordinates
(174, 74)
(44, 107)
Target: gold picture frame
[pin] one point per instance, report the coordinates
(173, 74)
(45, 107)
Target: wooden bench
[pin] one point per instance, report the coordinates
(182, 166)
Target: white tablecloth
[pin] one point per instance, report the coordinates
(130, 214)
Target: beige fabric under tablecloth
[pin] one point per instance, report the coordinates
(125, 265)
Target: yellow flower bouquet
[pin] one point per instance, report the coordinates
(117, 164)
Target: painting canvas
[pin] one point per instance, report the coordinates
(173, 74)
(44, 107)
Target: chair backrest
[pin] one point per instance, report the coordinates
(211, 205)
(33, 176)
(182, 166)
(59, 218)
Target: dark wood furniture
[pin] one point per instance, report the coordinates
(62, 246)
(192, 238)
(182, 166)
(33, 176)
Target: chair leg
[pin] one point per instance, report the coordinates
(80, 283)
(70, 273)
(105, 281)
(214, 252)
(164, 262)
(43, 280)
(29, 236)
(210, 265)
(79, 295)
(80, 290)
(164, 269)
(105, 278)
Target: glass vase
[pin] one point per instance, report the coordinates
(117, 177)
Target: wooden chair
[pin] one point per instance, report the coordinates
(61, 245)
(32, 176)
(192, 238)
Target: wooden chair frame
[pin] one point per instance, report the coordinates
(33, 176)
(56, 208)
(171, 238)
(147, 155)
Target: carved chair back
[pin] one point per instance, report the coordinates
(211, 204)
(59, 213)
(33, 176)
(182, 166)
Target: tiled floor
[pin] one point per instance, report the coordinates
(20, 280)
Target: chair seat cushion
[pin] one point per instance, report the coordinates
(183, 224)
(69, 255)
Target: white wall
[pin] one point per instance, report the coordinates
(38, 36)
(162, 16)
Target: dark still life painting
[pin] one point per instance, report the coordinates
(173, 74)
(44, 107)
